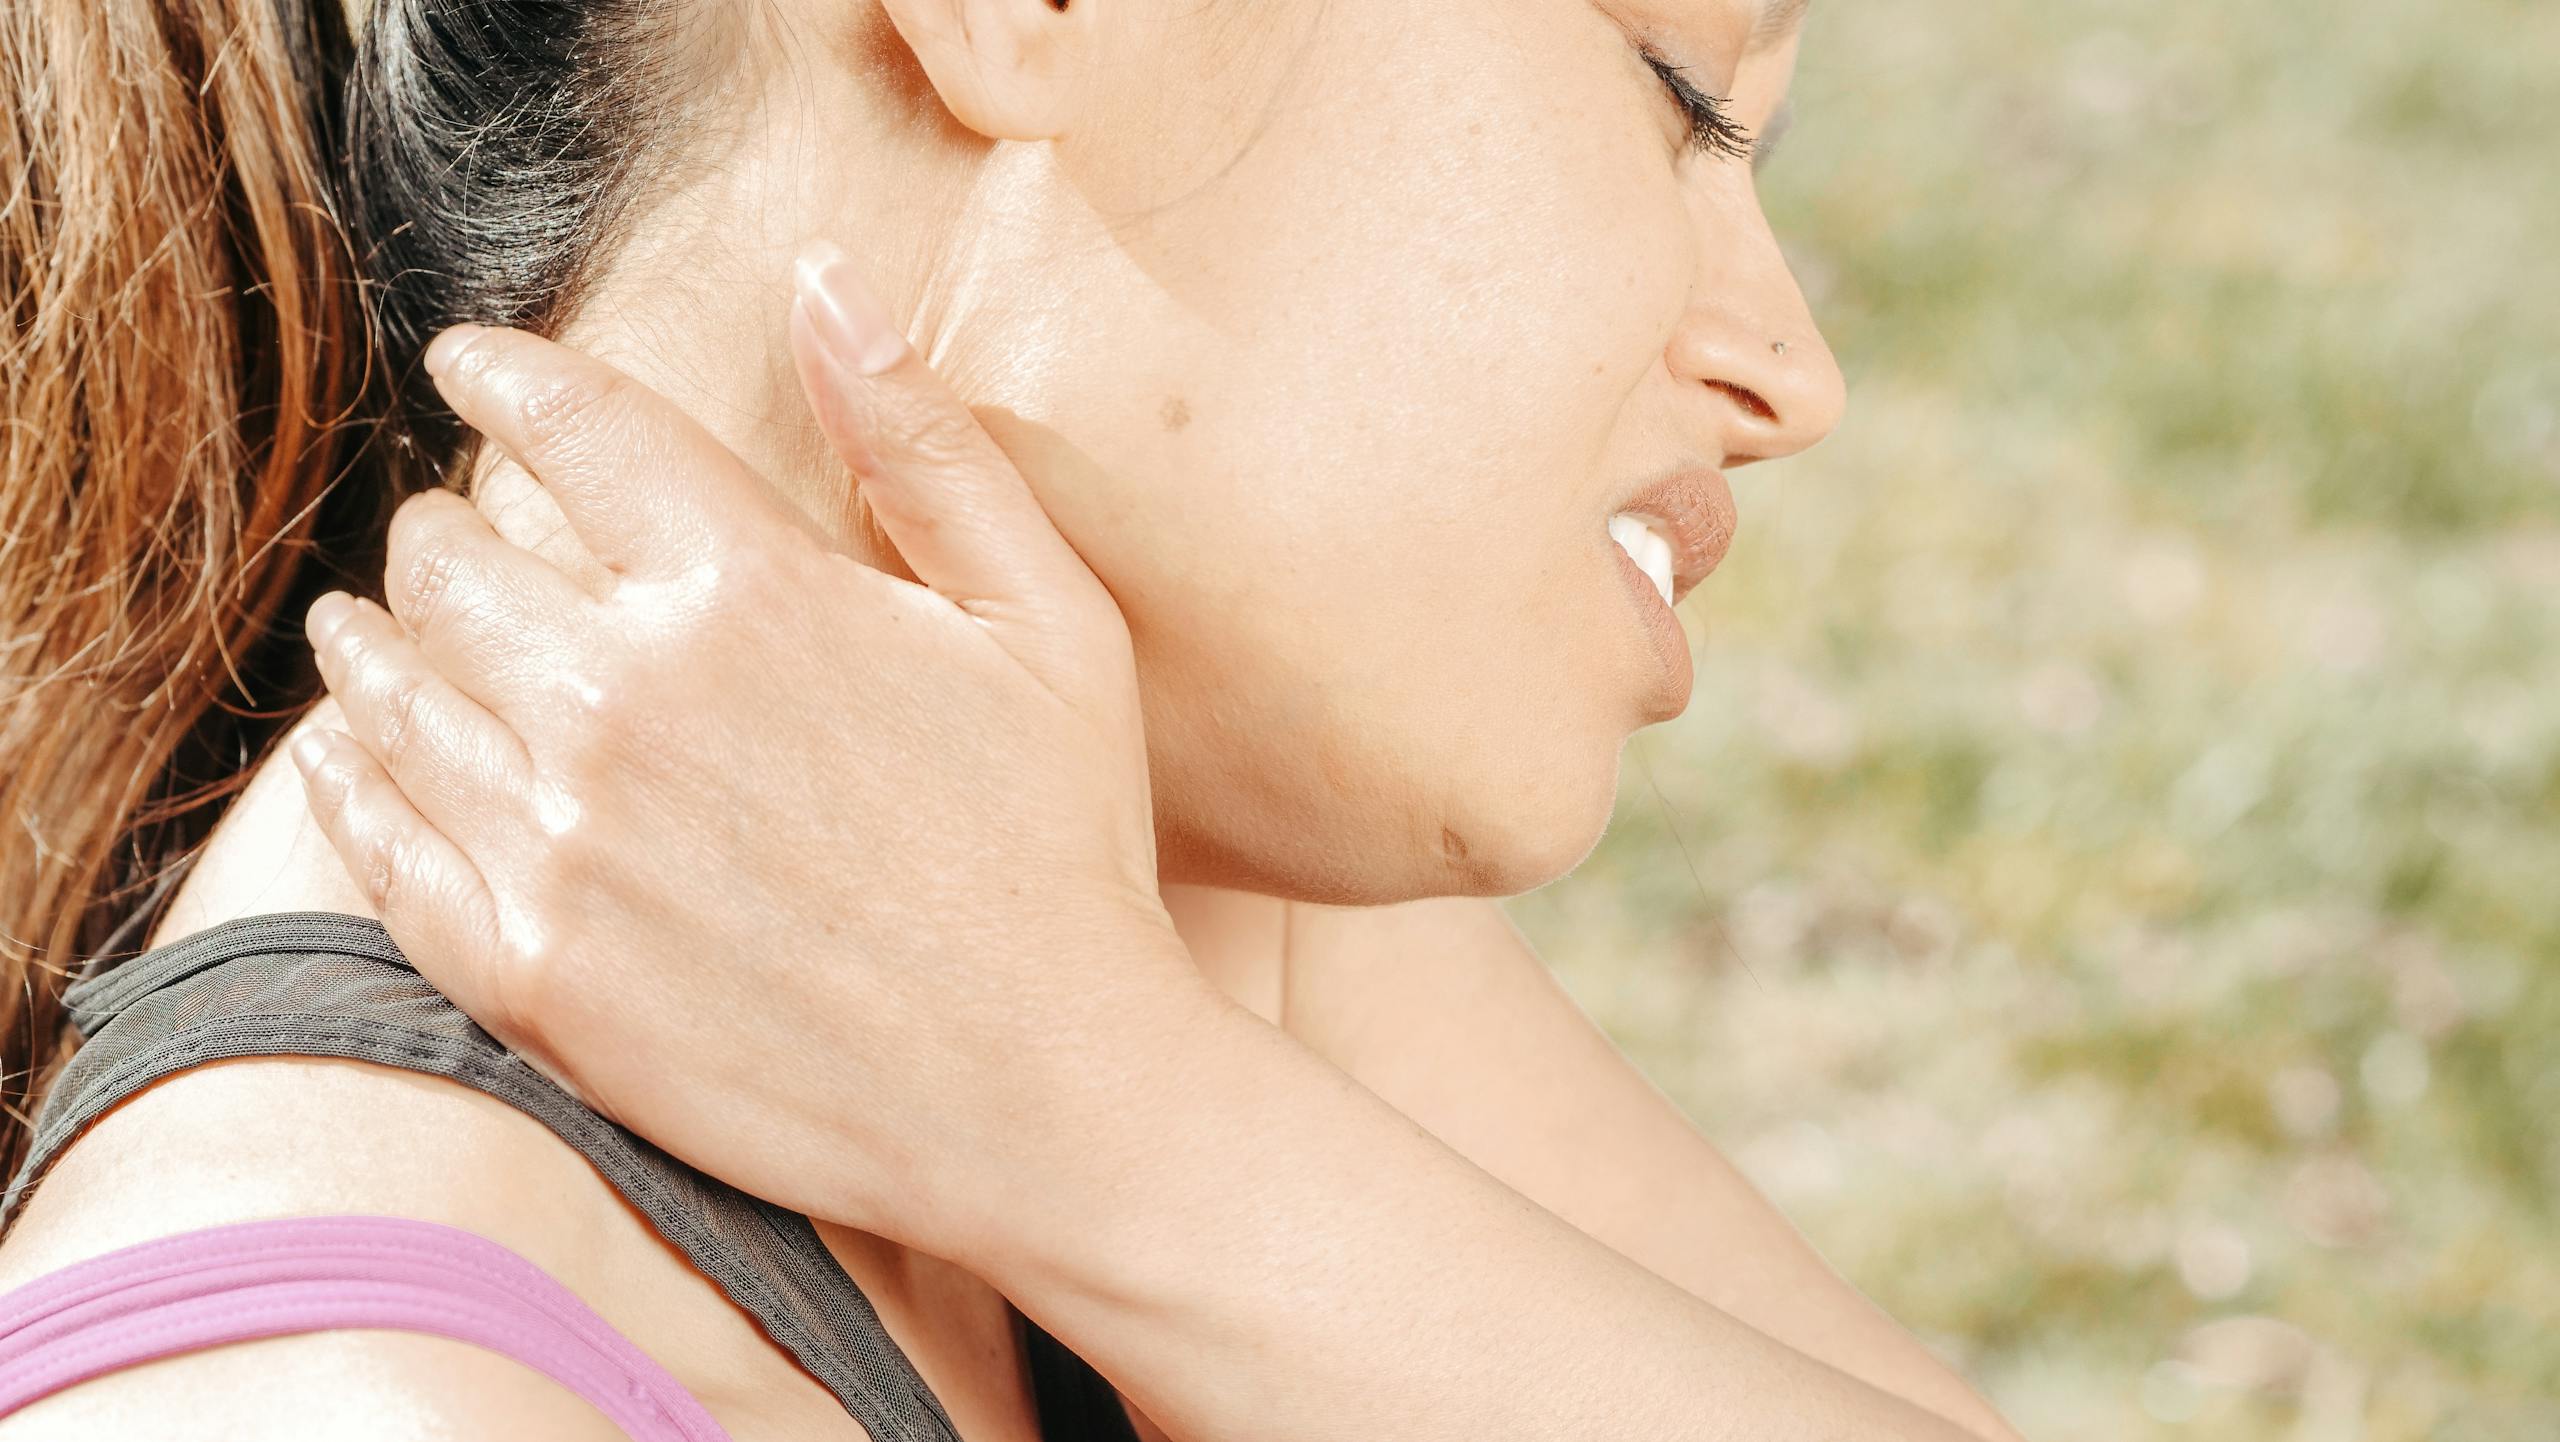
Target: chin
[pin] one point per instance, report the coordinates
(1490, 815)
(1482, 852)
(1500, 842)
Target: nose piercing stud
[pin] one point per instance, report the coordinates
(1778, 347)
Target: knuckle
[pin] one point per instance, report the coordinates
(554, 411)
(396, 714)
(577, 730)
(417, 511)
(548, 880)
(588, 708)
(636, 743)
(427, 574)
(752, 580)
(527, 971)
(916, 517)
(743, 582)
(582, 759)
(328, 789)
(941, 436)
(385, 860)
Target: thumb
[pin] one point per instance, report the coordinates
(946, 494)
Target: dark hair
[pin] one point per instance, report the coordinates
(229, 229)
(492, 150)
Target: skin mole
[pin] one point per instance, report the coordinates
(1176, 413)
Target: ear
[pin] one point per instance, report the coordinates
(1008, 69)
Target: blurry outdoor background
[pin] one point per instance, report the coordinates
(2106, 888)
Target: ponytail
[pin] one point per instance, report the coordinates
(227, 233)
(186, 379)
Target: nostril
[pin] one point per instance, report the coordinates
(1748, 399)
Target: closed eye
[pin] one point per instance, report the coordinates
(1712, 128)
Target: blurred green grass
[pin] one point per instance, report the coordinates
(2106, 888)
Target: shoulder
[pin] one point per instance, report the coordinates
(261, 1136)
(274, 1134)
(268, 1136)
(255, 1137)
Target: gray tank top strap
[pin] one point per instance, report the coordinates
(322, 983)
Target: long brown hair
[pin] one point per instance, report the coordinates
(229, 228)
(186, 352)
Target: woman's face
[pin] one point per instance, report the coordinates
(1332, 339)
(1331, 333)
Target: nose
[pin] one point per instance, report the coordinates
(1748, 341)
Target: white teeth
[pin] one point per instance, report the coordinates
(1642, 539)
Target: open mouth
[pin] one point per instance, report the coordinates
(1677, 529)
(1647, 542)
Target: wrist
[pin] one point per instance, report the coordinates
(1060, 1105)
(1102, 1132)
(1170, 1184)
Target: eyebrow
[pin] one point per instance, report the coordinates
(1777, 19)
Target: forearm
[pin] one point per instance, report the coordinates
(1253, 1246)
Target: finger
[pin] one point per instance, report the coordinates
(461, 767)
(502, 624)
(526, 515)
(649, 492)
(950, 499)
(424, 890)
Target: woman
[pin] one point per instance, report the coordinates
(1321, 340)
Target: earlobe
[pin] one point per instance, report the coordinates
(1008, 69)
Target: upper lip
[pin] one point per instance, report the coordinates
(1696, 507)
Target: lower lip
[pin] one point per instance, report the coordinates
(1674, 674)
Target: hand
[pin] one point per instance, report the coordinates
(841, 888)
(817, 877)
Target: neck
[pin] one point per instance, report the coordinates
(697, 311)
(698, 314)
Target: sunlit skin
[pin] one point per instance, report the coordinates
(1330, 335)
(1335, 383)
(1339, 422)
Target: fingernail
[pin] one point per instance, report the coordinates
(326, 615)
(848, 317)
(448, 344)
(308, 750)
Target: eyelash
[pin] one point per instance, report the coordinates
(1712, 131)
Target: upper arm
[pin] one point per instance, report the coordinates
(280, 1136)
(1443, 1009)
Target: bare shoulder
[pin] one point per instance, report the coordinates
(294, 1135)
(268, 1136)
(257, 1137)
(282, 1135)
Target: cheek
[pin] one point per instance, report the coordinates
(1475, 308)
(1411, 370)
(1452, 237)
(1380, 626)
(1341, 438)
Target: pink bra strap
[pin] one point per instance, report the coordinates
(304, 1274)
